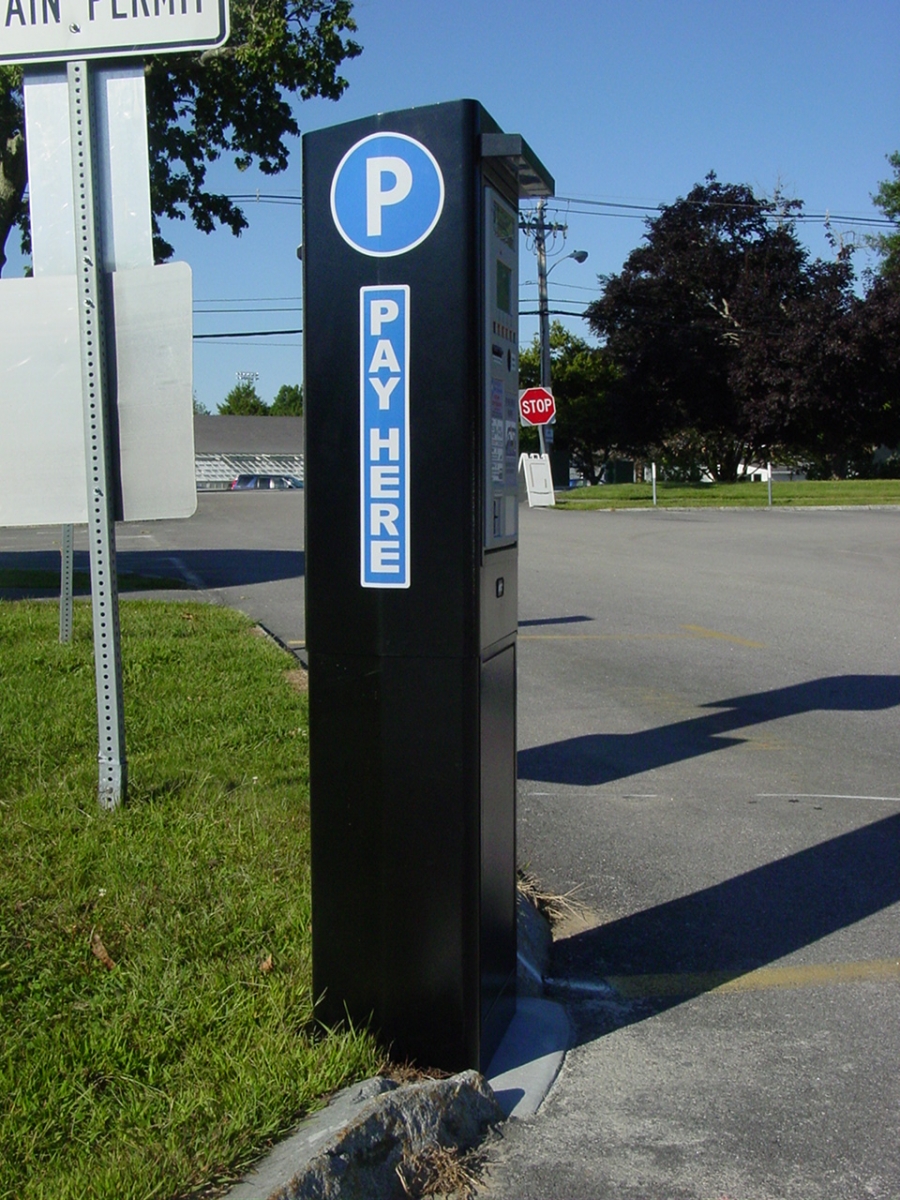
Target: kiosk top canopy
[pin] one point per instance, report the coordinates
(533, 178)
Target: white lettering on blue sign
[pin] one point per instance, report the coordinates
(387, 194)
(384, 436)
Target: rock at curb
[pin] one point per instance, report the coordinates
(398, 1128)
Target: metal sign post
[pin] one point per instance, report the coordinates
(66, 581)
(101, 524)
(55, 341)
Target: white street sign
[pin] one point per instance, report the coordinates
(35, 31)
(538, 480)
(42, 460)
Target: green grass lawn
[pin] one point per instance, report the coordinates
(733, 495)
(156, 1023)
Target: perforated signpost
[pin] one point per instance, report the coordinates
(410, 255)
(95, 350)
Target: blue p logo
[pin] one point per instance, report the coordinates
(387, 194)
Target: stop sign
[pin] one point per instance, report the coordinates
(536, 406)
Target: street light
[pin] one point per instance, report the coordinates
(543, 308)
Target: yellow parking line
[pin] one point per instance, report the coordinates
(699, 631)
(598, 637)
(690, 631)
(694, 983)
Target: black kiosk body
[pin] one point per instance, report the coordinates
(411, 388)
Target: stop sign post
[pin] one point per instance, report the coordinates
(537, 407)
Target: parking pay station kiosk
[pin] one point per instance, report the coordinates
(411, 387)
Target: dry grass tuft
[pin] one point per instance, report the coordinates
(442, 1171)
(556, 908)
(410, 1072)
(298, 679)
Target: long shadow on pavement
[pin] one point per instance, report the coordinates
(597, 758)
(661, 956)
(555, 621)
(657, 958)
(196, 568)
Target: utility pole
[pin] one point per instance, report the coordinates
(537, 228)
(540, 245)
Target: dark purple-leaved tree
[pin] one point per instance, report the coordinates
(733, 344)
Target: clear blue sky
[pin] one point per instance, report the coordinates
(629, 103)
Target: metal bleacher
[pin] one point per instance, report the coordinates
(216, 472)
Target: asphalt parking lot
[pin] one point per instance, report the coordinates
(708, 712)
(707, 728)
(243, 549)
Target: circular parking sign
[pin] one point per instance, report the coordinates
(387, 194)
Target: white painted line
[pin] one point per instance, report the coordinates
(187, 574)
(529, 967)
(821, 796)
(583, 987)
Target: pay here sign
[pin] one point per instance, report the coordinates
(384, 436)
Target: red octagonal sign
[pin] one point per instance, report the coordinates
(536, 406)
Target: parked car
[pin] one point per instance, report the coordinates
(279, 482)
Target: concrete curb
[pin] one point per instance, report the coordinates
(372, 1134)
(354, 1148)
(530, 1056)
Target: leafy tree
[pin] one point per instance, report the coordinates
(288, 401)
(823, 385)
(887, 198)
(803, 377)
(711, 322)
(876, 348)
(581, 375)
(243, 401)
(234, 100)
(13, 167)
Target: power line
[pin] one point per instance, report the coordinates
(562, 287)
(553, 312)
(247, 333)
(223, 311)
(245, 299)
(267, 198)
(266, 345)
(616, 208)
